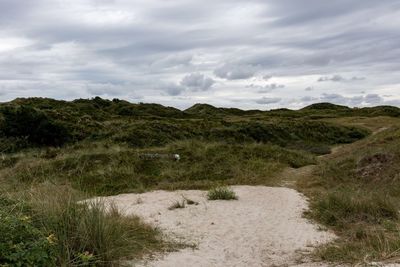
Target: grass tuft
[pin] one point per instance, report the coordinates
(177, 205)
(221, 193)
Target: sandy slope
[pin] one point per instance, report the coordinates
(263, 228)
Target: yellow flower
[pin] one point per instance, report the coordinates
(52, 239)
(25, 218)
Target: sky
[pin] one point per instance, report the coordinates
(249, 54)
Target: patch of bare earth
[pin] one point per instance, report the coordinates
(264, 227)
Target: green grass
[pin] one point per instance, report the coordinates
(355, 192)
(221, 193)
(82, 233)
(105, 170)
(352, 192)
(38, 122)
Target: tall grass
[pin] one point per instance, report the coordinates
(104, 171)
(89, 233)
(355, 192)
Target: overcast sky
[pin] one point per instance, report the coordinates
(235, 53)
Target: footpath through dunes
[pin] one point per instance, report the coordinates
(264, 227)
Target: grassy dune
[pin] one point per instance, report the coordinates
(356, 193)
(56, 153)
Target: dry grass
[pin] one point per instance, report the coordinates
(88, 233)
(355, 192)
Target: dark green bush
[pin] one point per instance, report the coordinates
(34, 126)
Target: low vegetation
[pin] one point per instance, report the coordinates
(355, 192)
(49, 227)
(221, 193)
(56, 153)
(100, 169)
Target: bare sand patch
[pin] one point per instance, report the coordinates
(264, 227)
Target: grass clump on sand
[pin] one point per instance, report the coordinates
(221, 193)
(68, 233)
(356, 193)
(177, 205)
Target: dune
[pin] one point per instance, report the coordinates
(264, 227)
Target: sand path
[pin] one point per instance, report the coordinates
(264, 227)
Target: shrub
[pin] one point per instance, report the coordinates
(222, 193)
(35, 126)
(23, 244)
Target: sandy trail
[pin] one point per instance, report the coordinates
(264, 227)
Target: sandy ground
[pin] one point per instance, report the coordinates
(264, 227)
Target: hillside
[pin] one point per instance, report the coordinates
(40, 122)
(56, 153)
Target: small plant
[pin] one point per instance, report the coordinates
(222, 193)
(177, 205)
(190, 202)
(87, 259)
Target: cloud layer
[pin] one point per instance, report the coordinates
(243, 53)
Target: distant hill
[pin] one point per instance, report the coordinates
(97, 107)
(338, 110)
(325, 105)
(206, 109)
(379, 111)
(41, 122)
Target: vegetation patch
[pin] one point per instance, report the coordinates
(355, 192)
(104, 171)
(54, 152)
(221, 193)
(57, 230)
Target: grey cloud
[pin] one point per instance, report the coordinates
(334, 98)
(105, 89)
(235, 72)
(268, 100)
(266, 88)
(339, 78)
(334, 78)
(172, 61)
(174, 89)
(355, 78)
(267, 77)
(301, 12)
(197, 82)
(355, 100)
(373, 99)
(308, 89)
(369, 99)
(308, 99)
